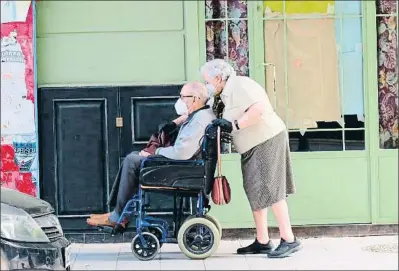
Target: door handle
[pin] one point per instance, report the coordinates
(119, 122)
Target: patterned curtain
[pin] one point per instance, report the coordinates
(388, 74)
(226, 30)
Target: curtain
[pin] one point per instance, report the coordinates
(227, 36)
(388, 75)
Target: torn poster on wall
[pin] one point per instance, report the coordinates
(18, 131)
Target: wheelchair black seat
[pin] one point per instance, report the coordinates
(188, 175)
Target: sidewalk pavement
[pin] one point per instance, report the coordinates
(350, 253)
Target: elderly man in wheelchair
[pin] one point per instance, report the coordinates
(185, 169)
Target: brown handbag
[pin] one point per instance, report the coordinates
(221, 193)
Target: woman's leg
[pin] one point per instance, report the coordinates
(280, 211)
(288, 243)
(262, 231)
(262, 242)
(253, 190)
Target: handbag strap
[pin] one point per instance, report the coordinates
(219, 162)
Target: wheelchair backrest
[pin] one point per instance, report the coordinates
(209, 156)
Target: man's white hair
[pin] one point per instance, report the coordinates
(218, 67)
(198, 89)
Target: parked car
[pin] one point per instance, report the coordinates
(31, 235)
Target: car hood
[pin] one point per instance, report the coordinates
(31, 205)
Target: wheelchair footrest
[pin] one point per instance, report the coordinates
(118, 229)
(106, 229)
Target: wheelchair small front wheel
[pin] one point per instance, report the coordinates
(157, 232)
(198, 238)
(145, 253)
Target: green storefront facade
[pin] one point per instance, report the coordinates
(88, 44)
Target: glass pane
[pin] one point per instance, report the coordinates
(348, 7)
(215, 9)
(316, 141)
(238, 46)
(311, 65)
(216, 46)
(353, 121)
(274, 54)
(386, 6)
(354, 140)
(298, 7)
(237, 9)
(350, 61)
(388, 82)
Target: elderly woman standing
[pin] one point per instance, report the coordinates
(261, 137)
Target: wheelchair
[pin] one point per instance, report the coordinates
(198, 236)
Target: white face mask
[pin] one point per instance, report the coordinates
(211, 90)
(181, 107)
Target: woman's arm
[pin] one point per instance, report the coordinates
(180, 120)
(251, 116)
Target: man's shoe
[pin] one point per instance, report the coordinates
(285, 249)
(256, 248)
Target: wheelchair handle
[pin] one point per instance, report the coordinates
(219, 153)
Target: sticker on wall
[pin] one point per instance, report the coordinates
(25, 151)
(19, 169)
(14, 11)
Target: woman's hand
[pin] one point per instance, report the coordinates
(180, 119)
(223, 124)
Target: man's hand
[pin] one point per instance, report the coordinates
(223, 124)
(144, 153)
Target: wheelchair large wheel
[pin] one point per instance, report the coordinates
(214, 220)
(198, 238)
(145, 254)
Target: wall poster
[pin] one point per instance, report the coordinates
(19, 158)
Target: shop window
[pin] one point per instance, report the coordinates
(387, 21)
(314, 72)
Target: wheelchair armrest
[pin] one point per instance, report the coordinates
(166, 173)
(163, 161)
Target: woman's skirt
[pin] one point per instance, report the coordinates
(267, 172)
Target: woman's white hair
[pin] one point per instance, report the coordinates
(217, 67)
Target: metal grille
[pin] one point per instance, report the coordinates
(52, 233)
(50, 226)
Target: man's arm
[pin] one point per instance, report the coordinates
(187, 144)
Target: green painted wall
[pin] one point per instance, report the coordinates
(116, 42)
(157, 42)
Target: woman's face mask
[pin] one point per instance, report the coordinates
(214, 85)
(211, 90)
(181, 107)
